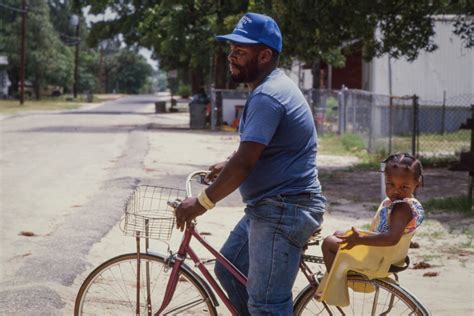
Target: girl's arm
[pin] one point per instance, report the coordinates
(400, 216)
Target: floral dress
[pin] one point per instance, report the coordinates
(381, 220)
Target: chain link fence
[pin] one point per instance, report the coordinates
(391, 124)
(438, 126)
(387, 124)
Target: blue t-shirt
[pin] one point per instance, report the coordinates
(277, 115)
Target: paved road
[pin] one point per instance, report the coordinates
(64, 177)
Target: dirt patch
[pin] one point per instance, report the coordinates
(363, 185)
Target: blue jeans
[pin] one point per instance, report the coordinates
(266, 246)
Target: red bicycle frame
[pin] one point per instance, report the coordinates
(184, 250)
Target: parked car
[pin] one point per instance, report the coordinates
(45, 91)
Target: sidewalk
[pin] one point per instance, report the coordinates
(82, 106)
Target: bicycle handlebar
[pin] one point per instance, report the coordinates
(201, 173)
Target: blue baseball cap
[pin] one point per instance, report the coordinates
(254, 28)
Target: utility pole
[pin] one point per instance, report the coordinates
(22, 58)
(76, 59)
(101, 69)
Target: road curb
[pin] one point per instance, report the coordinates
(82, 107)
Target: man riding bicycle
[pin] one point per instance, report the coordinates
(275, 169)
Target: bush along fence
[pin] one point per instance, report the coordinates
(387, 124)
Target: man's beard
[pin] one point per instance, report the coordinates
(247, 73)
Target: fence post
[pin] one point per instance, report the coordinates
(443, 113)
(219, 108)
(214, 108)
(383, 194)
(318, 110)
(472, 131)
(340, 107)
(471, 173)
(354, 113)
(415, 137)
(345, 91)
(371, 122)
(315, 99)
(390, 109)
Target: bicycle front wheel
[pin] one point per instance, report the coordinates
(111, 289)
(373, 297)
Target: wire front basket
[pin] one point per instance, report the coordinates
(147, 213)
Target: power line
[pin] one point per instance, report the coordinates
(23, 51)
(19, 10)
(69, 36)
(27, 9)
(68, 39)
(13, 8)
(72, 43)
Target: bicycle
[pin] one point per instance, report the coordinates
(147, 283)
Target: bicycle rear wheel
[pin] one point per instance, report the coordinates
(111, 289)
(385, 299)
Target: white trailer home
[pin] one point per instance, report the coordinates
(449, 69)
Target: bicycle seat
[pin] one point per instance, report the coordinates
(396, 268)
(371, 261)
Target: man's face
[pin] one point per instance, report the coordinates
(243, 62)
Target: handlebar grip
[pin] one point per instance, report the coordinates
(200, 173)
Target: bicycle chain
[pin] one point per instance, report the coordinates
(314, 259)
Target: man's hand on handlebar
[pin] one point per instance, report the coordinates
(188, 210)
(214, 171)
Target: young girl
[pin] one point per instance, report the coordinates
(400, 213)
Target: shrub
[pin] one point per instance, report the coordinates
(453, 204)
(352, 142)
(184, 90)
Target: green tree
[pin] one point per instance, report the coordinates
(125, 71)
(464, 25)
(48, 61)
(323, 30)
(393, 27)
(7, 24)
(89, 69)
(181, 39)
(179, 32)
(61, 13)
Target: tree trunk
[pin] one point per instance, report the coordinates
(316, 72)
(220, 66)
(220, 77)
(197, 80)
(37, 88)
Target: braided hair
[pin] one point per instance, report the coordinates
(407, 161)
